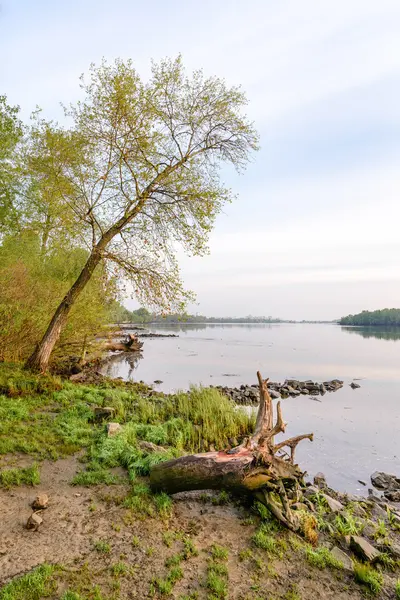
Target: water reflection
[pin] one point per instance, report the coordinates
(122, 364)
(381, 333)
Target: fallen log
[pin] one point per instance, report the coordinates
(130, 344)
(258, 466)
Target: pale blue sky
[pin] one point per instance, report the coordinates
(315, 230)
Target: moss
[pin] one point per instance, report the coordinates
(322, 558)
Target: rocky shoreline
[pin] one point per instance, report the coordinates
(249, 394)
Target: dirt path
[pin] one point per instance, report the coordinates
(78, 518)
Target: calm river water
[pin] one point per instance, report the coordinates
(356, 431)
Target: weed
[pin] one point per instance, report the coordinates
(173, 560)
(217, 568)
(102, 546)
(220, 499)
(149, 551)
(165, 586)
(292, 594)
(322, 558)
(263, 539)
(119, 568)
(217, 585)
(245, 555)
(367, 576)
(219, 552)
(397, 589)
(163, 504)
(346, 524)
(32, 586)
(380, 530)
(189, 549)
(20, 476)
(387, 561)
(135, 541)
(168, 538)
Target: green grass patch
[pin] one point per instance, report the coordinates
(35, 585)
(369, 577)
(397, 589)
(95, 477)
(20, 476)
(102, 546)
(322, 558)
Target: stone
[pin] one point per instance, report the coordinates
(274, 394)
(34, 522)
(392, 495)
(305, 391)
(363, 548)
(355, 385)
(322, 389)
(320, 480)
(150, 447)
(334, 505)
(40, 502)
(385, 481)
(113, 429)
(310, 491)
(292, 391)
(343, 558)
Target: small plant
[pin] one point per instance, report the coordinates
(245, 555)
(367, 576)
(149, 551)
(174, 560)
(168, 537)
(380, 530)
(165, 586)
(397, 589)
(135, 541)
(189, 549)
(71, 596)
(322, 558)
(292, 594)
(263, 539)
(347, 524)
(220, 499)
(163, 504)
(387, 561)
(95, 477)
(119, 568)
(217, 585)
(393, 520)
(102, 546)
(219, 552)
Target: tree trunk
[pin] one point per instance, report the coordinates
(39, 359)
(254, 467)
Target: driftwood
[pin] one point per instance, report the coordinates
(130, 344)
(258, 466)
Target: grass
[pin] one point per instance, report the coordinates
(322, 558)
(219, 552)
(165, 586)
(33, 586)
(397, 589)
(102, 546)
(264, 539)
(347, 524)
(369, 577)
(95, 477)
(20, 476)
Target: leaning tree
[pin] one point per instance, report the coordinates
(137, 175)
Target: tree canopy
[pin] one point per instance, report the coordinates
(130, 177)
(384, 317)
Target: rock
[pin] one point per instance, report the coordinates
(385, 481)
(361, 481)
(41, 502)
(305, 391)
(292, 391)
(158, 381)
(322, 389)
(392, 495)
(34, 522)
(320, 480)
(334, 505)
(359, 511)
(113, 429)
(363, 548)
(354, 385)
(274, 394)
(103, 412)
(150, 447)
(394, 550)
(343, 558)
(310, 491)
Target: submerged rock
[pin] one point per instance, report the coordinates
(385, 481)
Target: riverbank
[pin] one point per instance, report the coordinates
(55, 440)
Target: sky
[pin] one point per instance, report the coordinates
(314, 231)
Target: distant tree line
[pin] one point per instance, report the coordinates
(142, 316)
(384, 317)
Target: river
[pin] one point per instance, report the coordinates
(355, 431)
